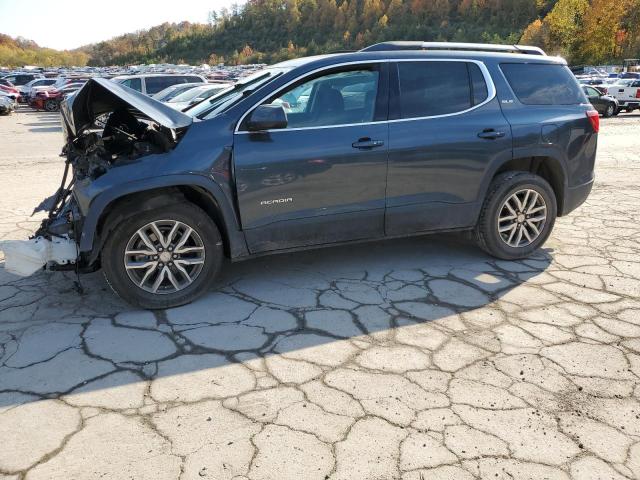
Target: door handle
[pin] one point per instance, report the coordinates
(490, 134)
(367, 144)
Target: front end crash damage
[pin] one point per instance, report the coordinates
(105, 125)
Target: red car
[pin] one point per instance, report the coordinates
(49, 100)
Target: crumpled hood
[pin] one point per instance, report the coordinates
(100, 95)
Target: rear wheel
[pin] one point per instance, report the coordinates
(163, 258)
(610, 111)
(517, 216)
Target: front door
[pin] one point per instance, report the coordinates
(322, 178)
(593, 96)
(445, 129)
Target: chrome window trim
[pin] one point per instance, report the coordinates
(491, 93)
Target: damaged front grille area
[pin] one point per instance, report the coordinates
(105, 125)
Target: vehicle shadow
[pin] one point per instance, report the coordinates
(46, 129)
(59, 343)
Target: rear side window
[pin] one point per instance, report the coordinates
(541, 84)
(156, 84)
(438, 88)
(134, 83)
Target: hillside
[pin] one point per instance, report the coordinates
(16, 52)
(591, 31)
(272, 30)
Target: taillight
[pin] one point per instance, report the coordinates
(594, 118)
(638, 93)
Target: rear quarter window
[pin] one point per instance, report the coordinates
(543, 84)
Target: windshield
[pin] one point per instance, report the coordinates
(194, 93)
(228, 97)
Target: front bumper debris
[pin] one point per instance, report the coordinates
(26, 257)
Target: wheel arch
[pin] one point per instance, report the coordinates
(114, 206)
(548, 167)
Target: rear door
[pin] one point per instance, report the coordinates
(445, 129)
(321, 179)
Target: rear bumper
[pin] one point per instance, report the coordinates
(574, 197)
(628, 103)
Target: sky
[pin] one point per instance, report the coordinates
(65, 24)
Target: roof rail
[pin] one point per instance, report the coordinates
(478, 47)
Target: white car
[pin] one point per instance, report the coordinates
(150, 84)
(13, 98)
(29, 89)
(7, 104)
(627, 92)
(170, 92)
(195, 95)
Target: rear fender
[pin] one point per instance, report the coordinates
(532, 159)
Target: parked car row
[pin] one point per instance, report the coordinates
(178, 91)
(612, 98)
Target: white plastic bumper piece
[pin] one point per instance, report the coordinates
(26, 257)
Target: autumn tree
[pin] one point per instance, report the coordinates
(601, 28)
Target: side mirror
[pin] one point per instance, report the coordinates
(267, 117)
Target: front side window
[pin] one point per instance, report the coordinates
(591, 92)
(430, 89)
(339, 98)
(543, 84)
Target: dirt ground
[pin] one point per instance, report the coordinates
(412, 359)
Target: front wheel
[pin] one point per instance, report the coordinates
(517, 216)
(51, 106)
(163, 258)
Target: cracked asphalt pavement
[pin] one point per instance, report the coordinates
(413, 359)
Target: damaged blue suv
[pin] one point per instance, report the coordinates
(399, 139)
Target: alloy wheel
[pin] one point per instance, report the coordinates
(521, 218)
(164, 256)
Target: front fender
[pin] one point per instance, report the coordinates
(99, 206)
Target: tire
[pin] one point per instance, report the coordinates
(610, 111)
(51, 106)
(201, 263)
(502, 189)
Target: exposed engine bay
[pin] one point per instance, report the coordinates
(105, 125)
(124, 138)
